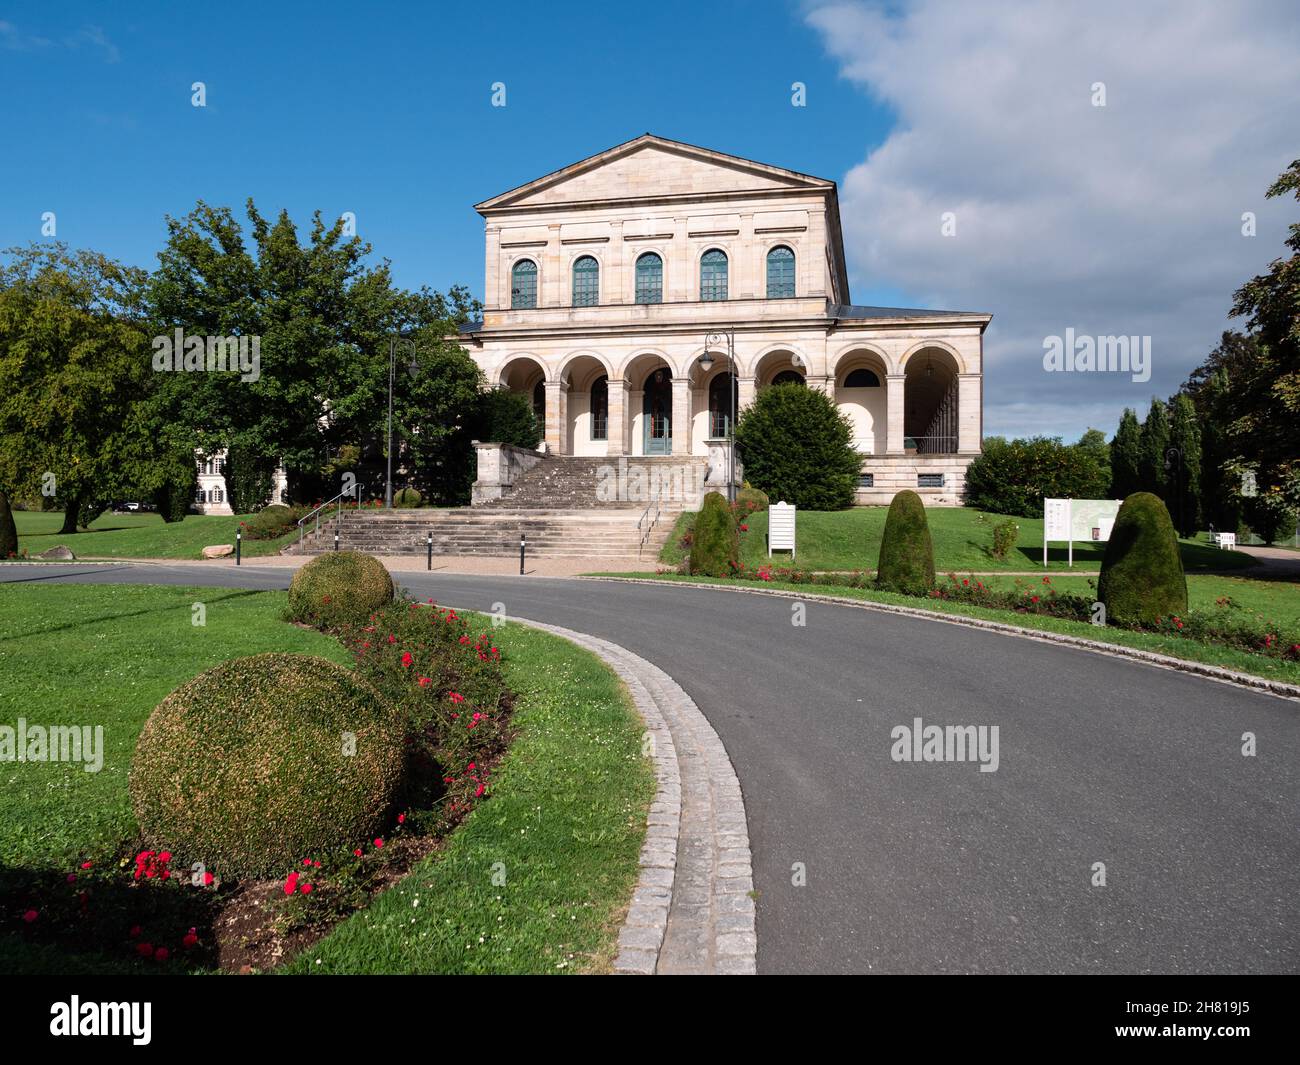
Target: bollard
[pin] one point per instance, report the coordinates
(429, 542)
(239, 544)
(336, 541)
(523, 543)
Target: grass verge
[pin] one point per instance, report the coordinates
(566, 815)
(1175, 647)
(850, 539)
(139, 535)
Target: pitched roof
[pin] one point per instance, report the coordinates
(776, 174)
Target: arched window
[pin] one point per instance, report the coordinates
(788, 377)
(539, 402)
(862, 379)
(721, 405)
(600, 408)
(649, 278)
(780, 273)
(523, 284)
(713, 275)
(586, 282)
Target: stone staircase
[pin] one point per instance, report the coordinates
(494, 531)
(627, 483)
(567, 507)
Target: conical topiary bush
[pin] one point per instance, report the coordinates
(906, 553)
(1142, 576)
(714, 540)
(8, 530)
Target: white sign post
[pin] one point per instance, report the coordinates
(1078, 519)
(780, 528)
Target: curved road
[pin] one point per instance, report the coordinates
(936, 866)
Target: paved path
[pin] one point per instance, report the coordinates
(864, 864)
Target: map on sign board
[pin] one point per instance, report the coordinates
(1078, 519)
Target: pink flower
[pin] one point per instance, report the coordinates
(401, 818)
(72, 878)
(379, 842)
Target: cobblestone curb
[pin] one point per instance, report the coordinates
(693, 908)
(1225, 676)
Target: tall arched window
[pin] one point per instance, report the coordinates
(523, 284)
(539, 403)
(586, 282)
(649, 278)
(713, 275)
(780, 273)
(721, 405)
(600, 408)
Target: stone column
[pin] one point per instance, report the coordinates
(616, 442)
(969, 403)
(557, 418)
(822, 384)
(635, 398)
(681, 416)
(492, 282)
(894, 418)
(745, 389)
(614, 289)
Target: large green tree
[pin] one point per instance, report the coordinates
(1153, 448)
(798, 448)
(1126, 456)
(1184, 476)
(74, 368)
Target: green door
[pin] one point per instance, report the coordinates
(657, 406)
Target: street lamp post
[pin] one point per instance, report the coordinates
(1174, 463)
(412, 369)
(706, 364)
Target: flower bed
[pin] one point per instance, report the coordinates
(447, 678)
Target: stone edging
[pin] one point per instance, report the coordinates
(1226, 676)
(692, 910)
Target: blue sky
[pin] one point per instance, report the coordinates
(1122, 219)
(331, 106)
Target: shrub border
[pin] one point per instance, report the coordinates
(1281, 689)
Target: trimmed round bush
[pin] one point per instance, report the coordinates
(407, 498)
(906, 553)
(715, 540)
(339, 588)
(278, 511)
(751, 501)
(245, 768)
(1142, 572)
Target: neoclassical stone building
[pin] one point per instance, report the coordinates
(604, 279)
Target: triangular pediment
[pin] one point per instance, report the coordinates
(652, 168)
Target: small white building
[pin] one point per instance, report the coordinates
(211, 496)
(604, 279)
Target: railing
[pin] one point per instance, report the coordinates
(648, 520)
(930, 445)
(337, 503)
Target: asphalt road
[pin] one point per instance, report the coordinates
(936, 866)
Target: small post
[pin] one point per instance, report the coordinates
(239, 545)
(429, 543)
(523, 544)
(336, 540)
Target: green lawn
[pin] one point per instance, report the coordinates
(564, 827)
(1175, 647)
(139, 535)
(850, 539)
(566, 816)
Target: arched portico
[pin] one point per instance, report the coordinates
(861, 394)
(931, 401)
(585, 386)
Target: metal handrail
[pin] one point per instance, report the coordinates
(355, 492)
(653, 504)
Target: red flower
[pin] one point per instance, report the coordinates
(291, 885)
(145, 950)
(306, 889)
(207, 879)
(161, 954)
(86, 865)
(379, 842)
(392, 638)
(190, 941)
(135, 931)
(407, 659)
(455, 697)
(401, 818)
(425, 681)
(357, 852)
(30, 916)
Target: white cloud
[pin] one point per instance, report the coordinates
(1123, 219)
